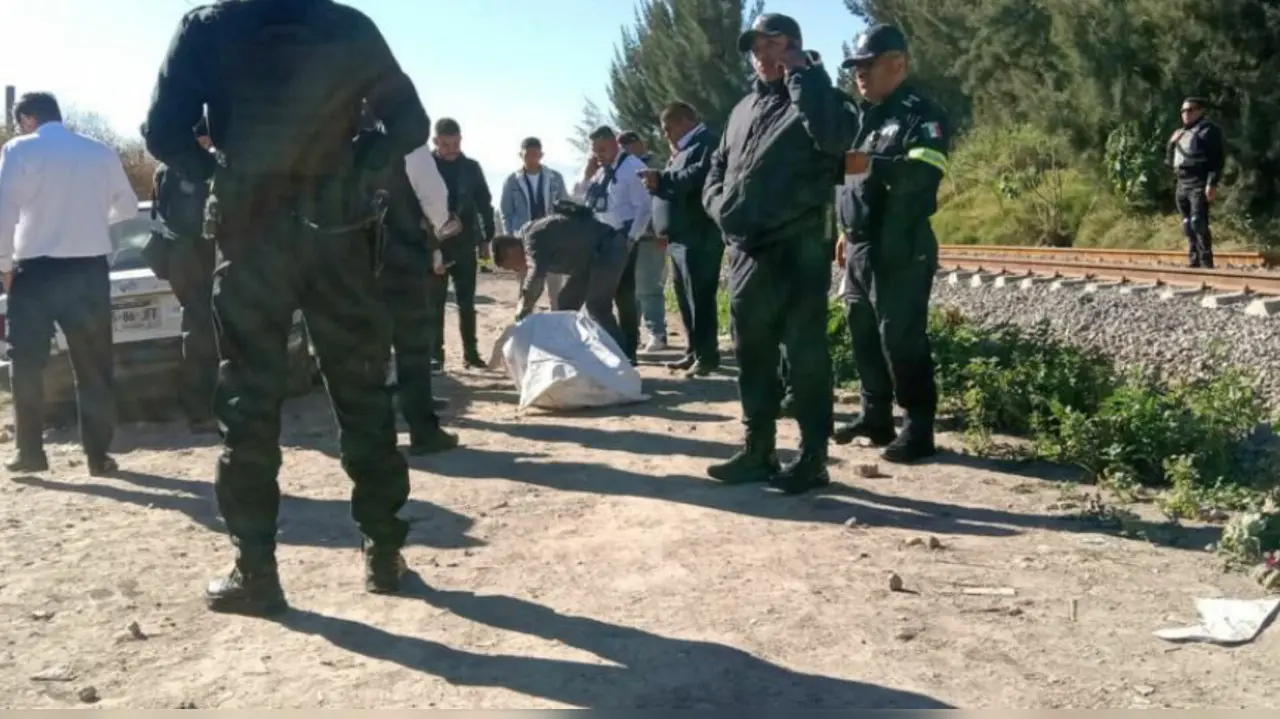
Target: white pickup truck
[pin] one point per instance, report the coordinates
(147, 336)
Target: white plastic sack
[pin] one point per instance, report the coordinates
(565, 360)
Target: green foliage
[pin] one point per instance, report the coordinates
(1124, 430)
(682, 50)
(1107, 76)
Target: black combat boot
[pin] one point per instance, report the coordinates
(252, 588)
(756, 462)
(472, 359)
(383, 568)
(28, 462)
(431, 442)
(879, 430)
(808, 471)
(913, 444)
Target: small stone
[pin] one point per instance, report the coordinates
(935, 543)
(5, 436)
(851, 522)
(1144, 690)
(868, 471)
(135, 631)
(88, 695)
(57, 673)
(1014, 611)
(895, 583)
(42, 615)
(915, 542)
(186, 704)
(907, 634)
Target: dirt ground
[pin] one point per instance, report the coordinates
(585, 561)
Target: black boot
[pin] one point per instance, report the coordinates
(26, 462)
(682, 364)
(431, 442)
(383, 569)
(756, 462)
(913, 444)
(879, 431)
(251, 588)
(808, 471)
(472, 359)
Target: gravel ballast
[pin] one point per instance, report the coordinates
(1176, 336)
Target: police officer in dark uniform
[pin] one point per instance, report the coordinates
(1196, 153)
(178, 204)
(888, 248)
(768, 189)
(284, 82)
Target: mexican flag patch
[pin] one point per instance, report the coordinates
(932, 130)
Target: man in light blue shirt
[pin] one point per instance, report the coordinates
(528, 194)
(612, 187)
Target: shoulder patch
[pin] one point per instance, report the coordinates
(932, 130)
(911, 100)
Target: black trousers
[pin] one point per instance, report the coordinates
(778, 296)
(1194, 207)
(272, 267)
(461, 251)
(696, 272)
(600, 287)
(191, 265)
(887, 313)
(628, 306)
(75, 295)
(408, 286)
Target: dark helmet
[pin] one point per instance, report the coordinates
(876, 41)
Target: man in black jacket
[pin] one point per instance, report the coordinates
(284, 81)
(770, 182)
(694, 242)
(1196, 153)
(470, 201)
(178, 203)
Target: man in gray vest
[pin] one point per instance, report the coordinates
(1195, 151)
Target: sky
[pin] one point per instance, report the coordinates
(505, 69)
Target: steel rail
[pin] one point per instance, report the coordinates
(1266, 258)
(1252, 282)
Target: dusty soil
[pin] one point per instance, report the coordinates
(584, 561)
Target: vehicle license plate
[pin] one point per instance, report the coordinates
(134, 315)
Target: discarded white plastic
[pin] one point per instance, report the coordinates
(1226, 621)
(565, 360)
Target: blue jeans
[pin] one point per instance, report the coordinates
(651, 280)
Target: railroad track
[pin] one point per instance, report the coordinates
(1145, 267)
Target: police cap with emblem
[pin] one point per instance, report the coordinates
(770, 25)
(876, 41)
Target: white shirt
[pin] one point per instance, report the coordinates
(629, 199)
(59, 193)
(428, 185)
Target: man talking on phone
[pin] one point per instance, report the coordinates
(770, 182)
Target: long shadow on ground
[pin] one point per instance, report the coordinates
(835, 504)
(648, 671)
(303, 521)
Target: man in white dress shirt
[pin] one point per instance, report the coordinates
(612, 188)
(59, 193)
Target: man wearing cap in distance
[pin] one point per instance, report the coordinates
(1195, 152)
(650, 258)
(574, 243)
(528, 194)
(888, 248)
(613, 190)
(770, 182)
(692, 239)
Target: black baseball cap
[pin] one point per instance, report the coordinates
(627, 137)
(531, 143)
(770, 25)
(876, 41)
